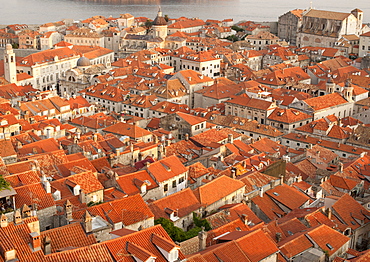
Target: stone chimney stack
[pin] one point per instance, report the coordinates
(244, 218)
(47, 245)
(202, 235)
(87, 224)
(3, 221)
(278, 237)
(341, 167)
(26, 211)
(281, 179)
(230, 138)
(68, 210)
(17, 217)
(233, 173)
(329, 213)
(186, 137)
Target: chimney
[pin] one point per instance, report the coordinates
(17, 217)
(95, 137)
(233, 173)
(278, 237)
(35, 241)
(3, 221)
(47, 245)
(87, 224)
(341, 167)
(186, 137)
(131, 147)
(47, 186)
(230, 138)
(329, 212)
(26, 211)
(281, 179)
(68, 210)
(202, 236)
(244, 218)
(261, 192)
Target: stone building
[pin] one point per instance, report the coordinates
(364, 47)
(288, 25)
(324, 28)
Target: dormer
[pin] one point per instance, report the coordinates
(76, 189)
(57, 195)
(173, 214)
(167, 248)
(138, 253)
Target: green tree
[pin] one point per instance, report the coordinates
(237, 28)
(232, 38)
(166, 18)
(4, 184)
(176, 233)
(201, 222)
(148, 24)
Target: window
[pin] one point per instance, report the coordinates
(174, 184)
(181, 179)
(165, 188)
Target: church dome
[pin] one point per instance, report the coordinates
(159, 20)
(83, 61)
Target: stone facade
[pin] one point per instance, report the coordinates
(288, 25)
(323, 28)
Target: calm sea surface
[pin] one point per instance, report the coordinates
(42, 11)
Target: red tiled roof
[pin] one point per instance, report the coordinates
(326, 237)
(257, 245)
(33, 194)
(124, 129)
(131, 183)
(72, 235)
(183, 202)
(351, 212)
(288, 196)
(166, 168)
(144, 240)
(325, 101)
(129, 210)
(217, 189)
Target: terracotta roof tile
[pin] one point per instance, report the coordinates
(257, 245)
(129, 210)
(166, 168)
(217, 189)
(288, 196)
(326, 237)
(72, 235)
(142, 239)
(183, 202)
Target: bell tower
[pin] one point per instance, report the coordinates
(10, 69)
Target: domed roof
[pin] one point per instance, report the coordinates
(159, 20)
(83, 61)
